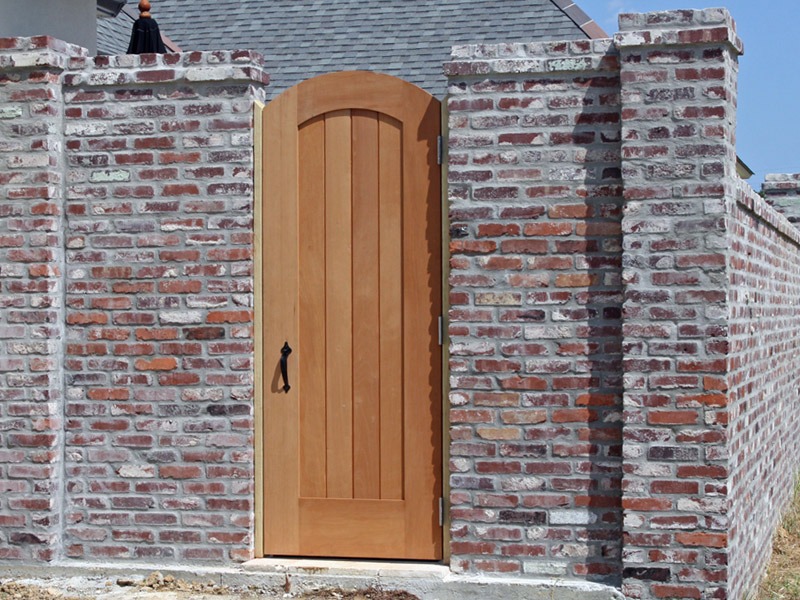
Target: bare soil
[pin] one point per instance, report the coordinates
(166, 587)
(783, 574)
(17, 591)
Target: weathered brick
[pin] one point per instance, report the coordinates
(599, 357)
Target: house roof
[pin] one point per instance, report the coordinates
(407, 38)
(114, 34)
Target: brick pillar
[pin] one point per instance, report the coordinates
(678, 162)
(159, 360)
(31, 296)
(534, 323)
(782, 190)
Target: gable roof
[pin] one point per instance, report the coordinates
(407, 38)
(114, 34)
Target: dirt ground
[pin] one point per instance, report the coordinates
(783, 574)
(160, 587)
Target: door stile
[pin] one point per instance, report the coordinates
(445, 349)
(280, 276)
(422, 376)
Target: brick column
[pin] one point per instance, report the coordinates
(782, 190)
(31, 296)
(159, 432)
(678, 162)
(535, 293)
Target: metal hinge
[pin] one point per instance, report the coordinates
(441, 512)
(439, 149)
(441, 329)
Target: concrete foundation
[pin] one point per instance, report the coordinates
(294, 577)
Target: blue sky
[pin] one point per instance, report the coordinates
(768, 129)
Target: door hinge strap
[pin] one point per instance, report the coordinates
(439, 149)
(441, 512)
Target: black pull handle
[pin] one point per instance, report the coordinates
(285, 352)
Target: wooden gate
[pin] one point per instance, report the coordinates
(351, 274)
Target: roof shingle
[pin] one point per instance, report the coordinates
(406, 38)
(114, 34)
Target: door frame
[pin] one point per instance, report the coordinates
(445, 219)
(258, 351)
(258, 324)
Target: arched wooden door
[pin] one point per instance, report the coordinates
(352, 284)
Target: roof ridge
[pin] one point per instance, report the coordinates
(581, 19)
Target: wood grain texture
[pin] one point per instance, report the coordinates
(391, 307)
(354, 528)
(366, 311)
(339, 303)
(421, 309)
(311, 356)
(357, 90)
(280, 276)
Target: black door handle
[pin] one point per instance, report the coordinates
(285, 352)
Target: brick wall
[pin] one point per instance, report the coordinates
(535, 333)
(782, 191)
(763, 379)
(532, 131)
(32, 180)
(678, 162)
(127, 282)
(622, 311)
(159, 447)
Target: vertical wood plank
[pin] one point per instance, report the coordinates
(280, 273)
(339, 304)
(421, 309)
(391, 307)
(366, 317)
(311, 357)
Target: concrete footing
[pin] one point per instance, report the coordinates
(289, 577)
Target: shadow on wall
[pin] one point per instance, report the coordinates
(546, 185)
(592, 156)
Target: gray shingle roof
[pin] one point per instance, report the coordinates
(114, 34)
(407, 38)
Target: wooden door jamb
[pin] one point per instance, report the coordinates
(444, 130)
(258, 350)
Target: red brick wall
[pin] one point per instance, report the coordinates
(622, 311)
(782, 192)
(535, 332)
(678, 162)
(126, 319)
(533, 131)
(763, 380)
(159, 367)
(32, 224)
